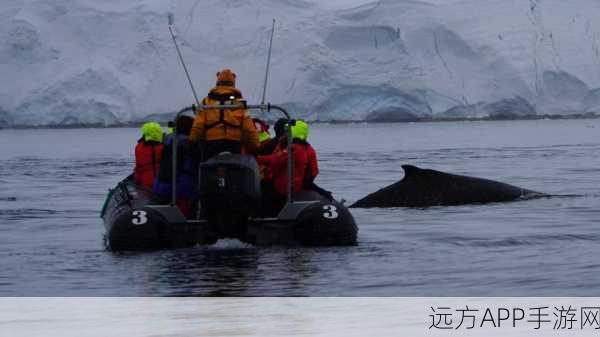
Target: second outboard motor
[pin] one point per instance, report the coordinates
(229, 193)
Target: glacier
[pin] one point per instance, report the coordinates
(109, 62)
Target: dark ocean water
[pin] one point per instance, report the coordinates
(54, 183)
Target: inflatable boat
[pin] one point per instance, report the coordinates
(229, 203)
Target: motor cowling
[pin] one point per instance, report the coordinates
(229, 190)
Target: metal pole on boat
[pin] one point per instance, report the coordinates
(174, 164)
(174, 149)
(290, 122)
(174, 156)
(290, 161)
(187, 73)
(264, 93)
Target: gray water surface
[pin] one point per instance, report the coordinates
(54, 183)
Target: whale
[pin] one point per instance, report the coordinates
(425, 188)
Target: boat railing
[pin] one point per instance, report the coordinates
(240, 105)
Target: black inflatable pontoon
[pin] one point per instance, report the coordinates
(230, 197)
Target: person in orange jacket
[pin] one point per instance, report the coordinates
(224, 130)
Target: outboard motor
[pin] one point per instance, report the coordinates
(229, 193)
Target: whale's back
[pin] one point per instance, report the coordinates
(425, 187)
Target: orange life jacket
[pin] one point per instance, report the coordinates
(225, 124)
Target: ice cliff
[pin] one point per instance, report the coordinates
(111, 61)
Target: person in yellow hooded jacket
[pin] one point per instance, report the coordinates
(224, 130)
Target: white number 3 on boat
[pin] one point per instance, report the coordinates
(139, 218)
(330, 212)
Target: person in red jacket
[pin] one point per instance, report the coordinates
(147, 155)
(305, 169)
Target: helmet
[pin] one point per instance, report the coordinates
(300, 130)
(280, 127)
(152, 131)
(184, 124)
(226, 78)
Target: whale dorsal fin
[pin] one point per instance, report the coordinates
(410, 171)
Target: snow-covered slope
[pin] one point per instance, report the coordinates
(89, 61)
